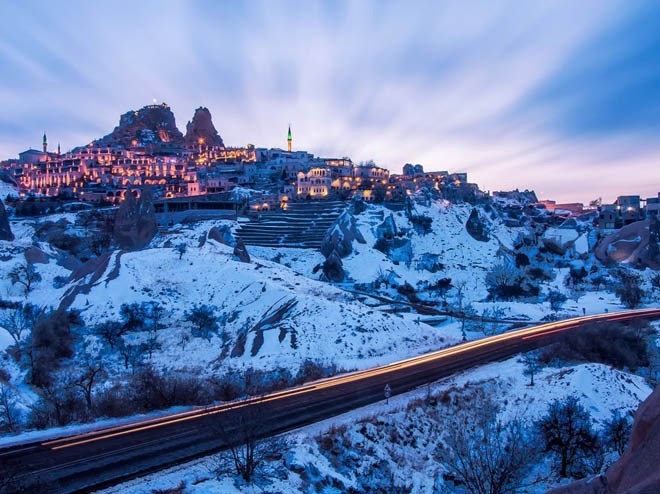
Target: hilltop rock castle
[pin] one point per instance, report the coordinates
(147, 149)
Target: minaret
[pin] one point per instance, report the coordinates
(58, 149)
(45, 144)
(288, 140)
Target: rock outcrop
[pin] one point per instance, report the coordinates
(476, 226)
(636, 243)
(341, 235)
(636, 472)
(333, 268)
(152, 125)
(223, 235)
(135, 221)
(392, 242)
(201, 127)
(5, 228)
(387, 230)
(240, 251)
(34, 255)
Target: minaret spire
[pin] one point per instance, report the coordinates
(288, 139)
(45, 144)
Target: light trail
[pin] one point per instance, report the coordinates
(521, 334)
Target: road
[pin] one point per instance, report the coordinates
(100, 458)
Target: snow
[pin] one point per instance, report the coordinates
(326, 323)
(582, 244)
(5, 339)
(209, 275)
(599, 388)
(561, 236)
(7, 190)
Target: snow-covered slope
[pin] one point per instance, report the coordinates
(320, 322)
(395, 444)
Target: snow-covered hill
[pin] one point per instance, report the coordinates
(320, 322)
(278, 312)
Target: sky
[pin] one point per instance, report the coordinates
(559, 97)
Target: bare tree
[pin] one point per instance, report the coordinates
(60, 404)
(566, 431)
(482, 453)
(461, 288)
(155, 314)
(616, 432)
(24, 274)
(629, 290)
(9, 414)
(204, 321)
(87, 379)
(18, 320)
(556, 300)
(531, 362)
(110, 331)
(131, 353)
(248, 447)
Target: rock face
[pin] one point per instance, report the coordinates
(476, 227)
(333, 268)
(152, 125)
(636, 472)
(201, 127)
(223, 235)
(34, 255)
(135, 222)
(387, 229)
(5, 228)
(337, 243)
(636, 243)
(240, 251)
(341, 235)
(391, 241)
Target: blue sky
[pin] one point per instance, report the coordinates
(561, 97)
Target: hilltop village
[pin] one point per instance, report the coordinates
(196, 171)
(152, 269)
(147, 149)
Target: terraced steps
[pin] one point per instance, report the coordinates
(302, 225)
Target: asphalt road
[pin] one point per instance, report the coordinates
(88, 461)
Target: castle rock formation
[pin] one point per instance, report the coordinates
(152, 125)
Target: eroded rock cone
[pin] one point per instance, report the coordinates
(333, 268)
(476, 227)
(201, 131)
(135, 221)
(240, 251)
(223, 235)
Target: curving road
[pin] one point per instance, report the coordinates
(100, 458)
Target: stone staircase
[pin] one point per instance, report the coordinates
(301, 226)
